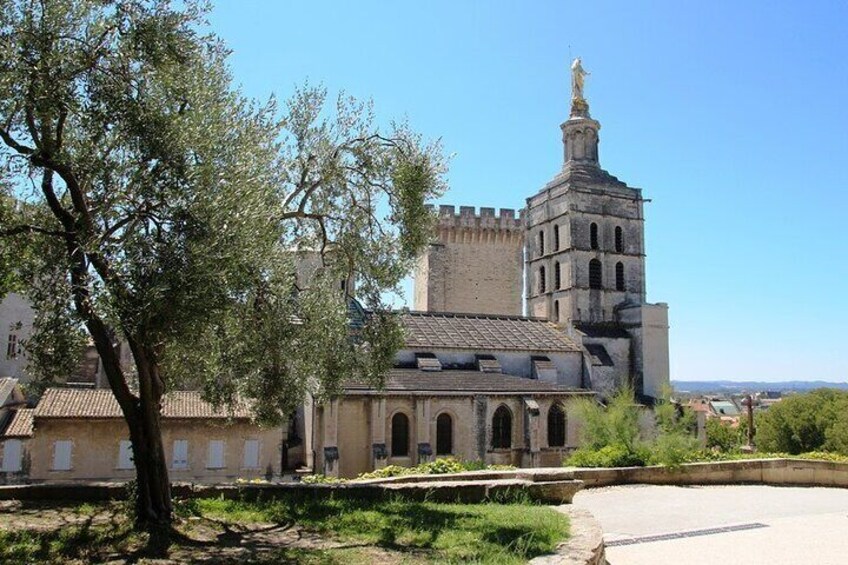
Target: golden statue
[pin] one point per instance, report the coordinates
(577, 74)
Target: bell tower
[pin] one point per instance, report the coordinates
(585, 232)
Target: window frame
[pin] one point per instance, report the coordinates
(619, 239)
(502, 428)
(594, 239)
(596, 274)
(440, 434)
(543, 276)
(395, 440)
(557, 410)
(620, 280)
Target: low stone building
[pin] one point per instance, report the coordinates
(80, 434)
(496, 389)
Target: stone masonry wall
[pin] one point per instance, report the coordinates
(476, 264)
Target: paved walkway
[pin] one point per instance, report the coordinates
(748, 525)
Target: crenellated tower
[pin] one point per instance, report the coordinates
(475, 264)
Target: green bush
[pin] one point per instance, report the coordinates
(673, 449)
(815, 421)
(609, 456)
(722, 436)
(439, 466)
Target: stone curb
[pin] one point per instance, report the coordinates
(585, 546)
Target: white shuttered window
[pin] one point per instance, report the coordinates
(216, 454)
(62, 455)
(125, 455)
(251, 454)
(180, 454)
(12, 453)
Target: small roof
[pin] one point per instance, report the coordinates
(21, 424)
(7, 386)
(101, 403)
(724, 407)
(481, 332)
(458, 382)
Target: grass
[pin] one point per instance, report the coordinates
(337, 531)
(490, 533)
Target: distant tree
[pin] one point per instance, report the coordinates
(163, 210)
(721, 436)
(804, 422)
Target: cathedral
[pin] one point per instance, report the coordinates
(515, 317)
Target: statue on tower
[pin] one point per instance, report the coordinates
(577, 74)
(579, 106)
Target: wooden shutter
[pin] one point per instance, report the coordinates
(180, 454)
(125, 455)
(216, 454)
(251, 454)
(62, 455)
(12, 452)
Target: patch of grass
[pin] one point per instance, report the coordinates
(82, 542)
(502, 533)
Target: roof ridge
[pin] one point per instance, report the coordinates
(472, 315)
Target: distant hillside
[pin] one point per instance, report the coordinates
(736, 387)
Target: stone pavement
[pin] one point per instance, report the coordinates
(748, 525)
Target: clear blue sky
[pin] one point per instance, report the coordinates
(731, 116)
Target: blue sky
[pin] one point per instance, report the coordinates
(731, 116)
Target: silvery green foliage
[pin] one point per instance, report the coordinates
(144, 192)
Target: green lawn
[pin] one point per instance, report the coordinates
(334, 531)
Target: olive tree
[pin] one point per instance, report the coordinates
(147, 202)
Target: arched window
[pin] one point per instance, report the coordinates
(502, 428)
(556, 310)
(400, 435)
(593, 235)
(556, 426)
(542, 281)
(556, 238)
(619, 240)
(557, 278)
(541, 243)
(596, 277)
(444, 434)
(619, 276)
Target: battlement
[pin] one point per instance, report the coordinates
(468, 218)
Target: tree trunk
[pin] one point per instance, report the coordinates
(153, 489)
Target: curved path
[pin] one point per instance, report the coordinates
(747, 525)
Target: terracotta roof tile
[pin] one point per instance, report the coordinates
(412, 380)
(431, 330)
(7, 385)
(99, 403)
(21, 424)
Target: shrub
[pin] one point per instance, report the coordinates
(616, 455)
(439, 466)
(815, 421)
(721, 436)
(673, 449)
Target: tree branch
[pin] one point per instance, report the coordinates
(26, 228)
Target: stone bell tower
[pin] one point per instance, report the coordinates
(585, 260)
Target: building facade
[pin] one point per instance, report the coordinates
(583, 267)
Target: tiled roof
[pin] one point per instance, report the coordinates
(432, 330)
(21, 424)
(413, 380)
(87, 403)
(7, 385)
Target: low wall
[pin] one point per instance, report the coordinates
(797, 472)
(461, 490)
(778, 472)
